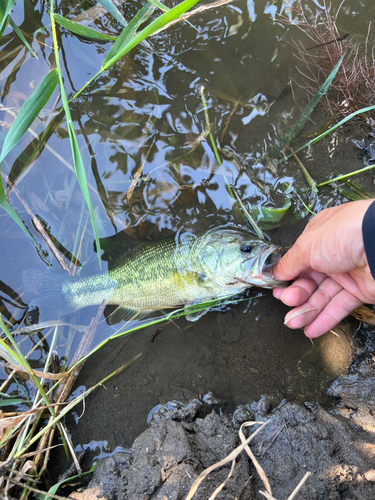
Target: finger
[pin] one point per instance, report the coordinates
(311, 309)
(299, 292)
(292, 264)
(340, 307)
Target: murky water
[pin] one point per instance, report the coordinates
(148, 111)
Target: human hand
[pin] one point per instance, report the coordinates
(330, 269)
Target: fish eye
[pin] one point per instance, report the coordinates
(246, 247)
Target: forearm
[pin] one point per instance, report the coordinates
(368, 233)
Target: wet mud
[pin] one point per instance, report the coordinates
(337, 447)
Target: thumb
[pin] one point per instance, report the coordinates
(291, 265)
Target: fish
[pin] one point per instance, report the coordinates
(177, 271)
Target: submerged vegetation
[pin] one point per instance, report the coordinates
(343, 66)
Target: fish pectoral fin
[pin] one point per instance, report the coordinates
(117, 314)
(195, 315)
(189, 278)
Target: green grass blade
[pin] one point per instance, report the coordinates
(12, 402)
(326, 132)
(112, 9)
(176, 313)
(76, 154)
(54, 489)
(162, 7)
(10, 211)
(208, 127)
(80, 171)
(6, 352)
(158, 5)
(30, 111)
(161, 21)
(346, 176)
(156, 25)
(24, 363)
(5, 8)
(129, 32)
(82, 30)
(24, 119)
(305, 115)
(23, 39)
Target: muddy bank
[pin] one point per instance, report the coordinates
(336, 446)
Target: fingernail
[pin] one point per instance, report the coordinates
(298, 313)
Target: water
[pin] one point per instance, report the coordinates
(148, 110)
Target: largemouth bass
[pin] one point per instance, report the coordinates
(173, 272)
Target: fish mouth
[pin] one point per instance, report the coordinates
(260, 273)
(267, 262)
(269, 259)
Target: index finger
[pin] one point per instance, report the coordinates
(300, 290)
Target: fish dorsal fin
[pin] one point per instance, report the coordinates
(115, 247)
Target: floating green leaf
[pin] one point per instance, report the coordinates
(81, 30)
(268, 217)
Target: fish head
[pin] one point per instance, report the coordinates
(236, 258)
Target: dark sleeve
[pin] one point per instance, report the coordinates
(368, 233)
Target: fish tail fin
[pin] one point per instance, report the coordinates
(44, 289)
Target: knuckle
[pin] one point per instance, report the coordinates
(343, 305)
